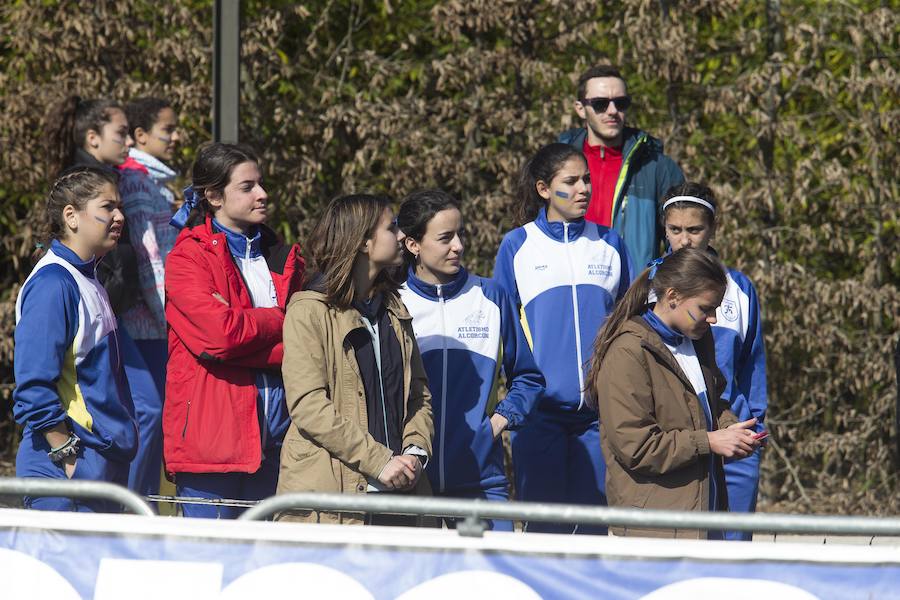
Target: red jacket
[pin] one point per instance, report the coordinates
(210, 422)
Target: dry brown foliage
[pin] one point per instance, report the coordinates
(788, 109)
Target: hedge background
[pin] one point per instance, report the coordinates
(788, 108)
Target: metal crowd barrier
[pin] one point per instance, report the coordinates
(66, 488)
(473, 511)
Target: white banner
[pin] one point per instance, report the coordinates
(65, 556)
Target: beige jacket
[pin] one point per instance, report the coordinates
(652, 427)
(328, 447)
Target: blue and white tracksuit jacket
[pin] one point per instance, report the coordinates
(466, 330)
(566, 277)
(68, 368)
(741, 356)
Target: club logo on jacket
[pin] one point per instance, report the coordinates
(475, 327)
(541, 267)
(596, 270)
(476, 318)
(729, 310)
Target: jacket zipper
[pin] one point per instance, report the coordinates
(376, 343)
(575, 313)
(623, 174)
(440, 293)
(187, 414)
(264, 433)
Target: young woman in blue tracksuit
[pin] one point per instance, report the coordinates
(689, 220)
(466, 327)
(71, 395)
(566, 274)
(95, 133)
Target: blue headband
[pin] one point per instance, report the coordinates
(179, 219)
(652, 266)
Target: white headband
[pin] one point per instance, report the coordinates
(693, 199)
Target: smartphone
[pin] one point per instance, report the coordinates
(761, 435)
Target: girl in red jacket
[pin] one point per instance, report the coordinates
(228, 280)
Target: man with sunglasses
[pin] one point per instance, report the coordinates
(629, 172)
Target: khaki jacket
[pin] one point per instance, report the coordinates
(328, 447)
(652, 427)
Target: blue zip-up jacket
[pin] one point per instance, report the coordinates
(465, 330)
(740, 349)
(566, 277)
(67, 362)
(646, 175)
(274, 418)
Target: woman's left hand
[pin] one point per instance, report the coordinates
(498, 424)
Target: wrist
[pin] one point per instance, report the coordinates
(66, 450)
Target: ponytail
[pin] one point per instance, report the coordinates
(632, 304)
(689, 271)
(66, 126)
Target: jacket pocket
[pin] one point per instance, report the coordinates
(306, 467)
(640, 496)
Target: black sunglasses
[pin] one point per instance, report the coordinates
(601, 104)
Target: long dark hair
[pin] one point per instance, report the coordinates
(75, 186)
(212, 170)
(342, 229)
(67, 125)
(689, 271)
(690, 188)
(417, 211)
(543, 166)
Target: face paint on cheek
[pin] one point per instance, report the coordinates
(691, 315)
(562, 195)
(102, 220)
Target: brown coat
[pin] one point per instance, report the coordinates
(328, 447)
(652, 427)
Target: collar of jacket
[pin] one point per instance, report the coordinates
(241, 246)
(556, 229)
(630, 136)
(653, 343)
(668, 335)
(430, 291)
(85, 267)
(348, 319)
(83, 158)
(156, 168)
(131, 164)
